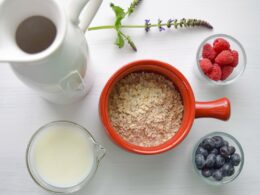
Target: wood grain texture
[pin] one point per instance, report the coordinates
(22, 111)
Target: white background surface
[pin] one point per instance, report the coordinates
(22, 111)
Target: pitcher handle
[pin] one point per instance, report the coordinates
(76, 7)
(219, 109)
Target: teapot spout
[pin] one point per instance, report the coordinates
(11, 57)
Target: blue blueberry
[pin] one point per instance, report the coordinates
(214, 151)
(228, 169)
(225, 143)
(228, 160)
(210, 160)
(220, 161)
(223, 151)
(207, 172)
(235, 159)
(217, 175)
(219, 142)
(231, 171)
(200, 161)
(202, 151)
(208, 144)
(231, 150)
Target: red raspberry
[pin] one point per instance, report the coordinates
(235, 55)
(208, 52)
(220, 45)
(205, 65)
(224, 58)
(215, 73)
(226, 72)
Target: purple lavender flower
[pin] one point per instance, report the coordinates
(160, 25)
(147, 25)
(169, 22)
(161, 28)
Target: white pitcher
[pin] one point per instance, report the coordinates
(56, 63)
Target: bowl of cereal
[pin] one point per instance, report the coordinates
(148, 107)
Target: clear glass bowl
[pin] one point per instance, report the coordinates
(232, 142)
(234, 45)
(99, 152)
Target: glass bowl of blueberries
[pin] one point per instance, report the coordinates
(218, 158)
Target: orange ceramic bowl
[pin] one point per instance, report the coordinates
(219, 109)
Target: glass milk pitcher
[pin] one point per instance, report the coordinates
(44, 43)
(63, 157)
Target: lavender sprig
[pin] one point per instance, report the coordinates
(169, 23)
(175, 23)
(160, 25)
(132, 6)
(147, 25)
(120, 14)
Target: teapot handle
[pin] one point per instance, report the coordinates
(76, 7)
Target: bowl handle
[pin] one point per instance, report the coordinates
(219, 109)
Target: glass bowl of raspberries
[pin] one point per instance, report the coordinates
(221, 59)
(218, 158)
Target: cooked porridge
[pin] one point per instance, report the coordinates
(145, 109)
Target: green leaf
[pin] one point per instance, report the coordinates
(120, 42)
(120, 15)
(119, 12)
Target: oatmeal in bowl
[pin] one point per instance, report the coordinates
(145, 109)
(148, 107)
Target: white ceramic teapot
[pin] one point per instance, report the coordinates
(44, 43)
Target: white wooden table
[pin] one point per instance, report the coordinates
(22, 111)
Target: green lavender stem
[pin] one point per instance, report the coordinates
(123, 26)
(189, 23)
